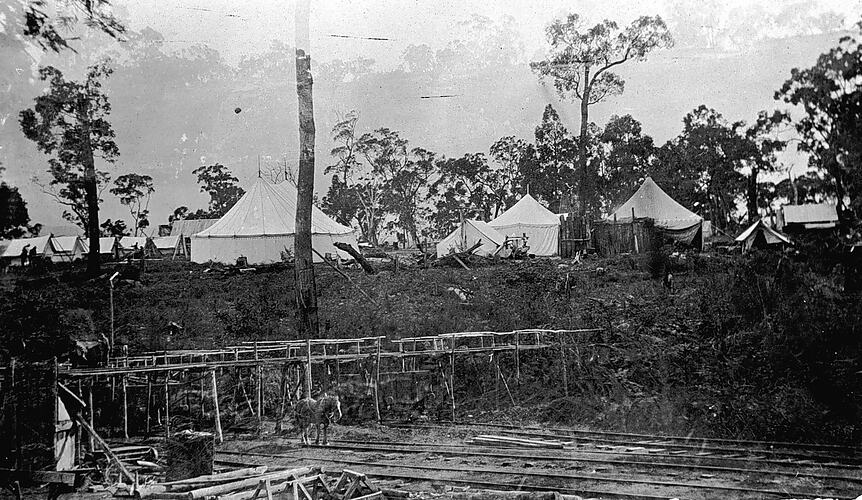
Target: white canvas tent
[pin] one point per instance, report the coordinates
(129, 246)
(65, 249)
(169, 246)
(760, 235)
(12, 252)
(528, 217)
(650, 201)
(469, 233)
(262, 225)
(108, 246)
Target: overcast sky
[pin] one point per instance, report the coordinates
(237, 28)
(711, 64)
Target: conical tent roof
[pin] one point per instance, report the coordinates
(528, 212)
(268, 210)
(652, 202)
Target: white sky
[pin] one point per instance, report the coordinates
(236, 28)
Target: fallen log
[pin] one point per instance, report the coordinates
(460, 257)
(223, 477)
(366, 266)
(514, 495)
(339, 271)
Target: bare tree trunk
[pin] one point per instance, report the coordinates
(753, 214)
(583, 186)
(91, 192)
(306, 290)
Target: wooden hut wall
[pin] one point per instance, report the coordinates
(610, 239)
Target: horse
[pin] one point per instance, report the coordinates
(324, 412)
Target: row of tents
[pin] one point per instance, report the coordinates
(72, 248)
(260, 227)
(529, 220)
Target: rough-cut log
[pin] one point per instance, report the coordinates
(366, 266)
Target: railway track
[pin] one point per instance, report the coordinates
(589, 484)
(635, 461)
(793, 453)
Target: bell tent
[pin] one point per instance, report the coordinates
(261, 226)
(528, 217)
(468, 234)
(650, 201)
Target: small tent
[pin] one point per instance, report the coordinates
(261, 226)
(130, 245)
(760, 235)
(12, 252)
(108, 247)
(528, 217)
(65, 249)
(468, 234)
(674, 220)
(169, 246)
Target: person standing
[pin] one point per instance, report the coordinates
(24, 255)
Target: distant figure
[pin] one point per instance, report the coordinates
(668, 282)
(24, 255)
(33, 255)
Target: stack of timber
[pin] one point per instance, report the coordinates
(140, 459)
(242, 484)
(513, 442)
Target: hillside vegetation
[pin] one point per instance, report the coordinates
(763, 347)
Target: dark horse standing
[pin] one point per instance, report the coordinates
(324, 412)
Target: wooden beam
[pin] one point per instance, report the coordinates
(377, 382)
(93, 435)
(215, 407)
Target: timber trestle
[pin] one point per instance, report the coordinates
(241, 386)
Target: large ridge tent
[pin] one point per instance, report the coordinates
(468, 234)
(262, 225)
(528, 217)
(650, 201)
